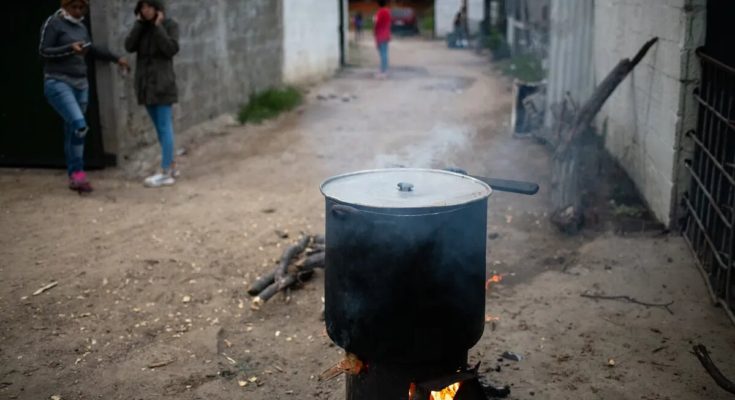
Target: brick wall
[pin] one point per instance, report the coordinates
(644, 121)
(229, 48)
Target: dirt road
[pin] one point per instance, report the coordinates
(158, 277)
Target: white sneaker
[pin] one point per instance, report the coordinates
(159, 180)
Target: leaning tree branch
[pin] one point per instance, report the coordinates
(565, 190)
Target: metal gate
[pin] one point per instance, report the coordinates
(710, 202)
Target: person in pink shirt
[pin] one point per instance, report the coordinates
(382, 36)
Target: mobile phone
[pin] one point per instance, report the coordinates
(85, 45)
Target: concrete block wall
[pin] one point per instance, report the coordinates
(229, 49)
(311, 46)
(446, 10)
(645, 119)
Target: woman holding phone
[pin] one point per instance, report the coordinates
(65, 41)
(155, 39)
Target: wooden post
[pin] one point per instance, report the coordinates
(565, 195)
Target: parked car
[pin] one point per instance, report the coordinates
(404, 20)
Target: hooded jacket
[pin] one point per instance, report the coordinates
(60, 61)
(155, 45)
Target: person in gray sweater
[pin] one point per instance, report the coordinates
(65, 41)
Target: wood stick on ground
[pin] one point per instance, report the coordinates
(45, 288)
(703, 355)
(261, 283)
(315, 260)
(288, 255)
(282, 271)
(274, 288)
(565, 194)
(160, 364)
(629, 299)
(315, 248)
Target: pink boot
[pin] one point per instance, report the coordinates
(78, 182)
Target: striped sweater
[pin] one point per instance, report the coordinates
(57, 36)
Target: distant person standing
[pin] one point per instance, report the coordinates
(460, 28)
(65, 42)
(359, 24)
(155, 38)
(382, 36)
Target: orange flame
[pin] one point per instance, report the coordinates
(496, 278)
(447, 393)
(491, 318)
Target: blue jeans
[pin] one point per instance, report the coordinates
(162, 117)
(71, 104)
(383, 50)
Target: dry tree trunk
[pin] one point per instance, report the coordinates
(565, 193)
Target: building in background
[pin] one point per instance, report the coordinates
(528, 26)
(229, 50)
(645, 120)
(446, 10)
(314, 44)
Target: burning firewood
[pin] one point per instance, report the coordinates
(350, 365)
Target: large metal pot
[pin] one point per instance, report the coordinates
(405, 263)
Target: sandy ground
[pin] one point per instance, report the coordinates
(154, 277)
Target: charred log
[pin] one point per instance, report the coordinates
(288, 255)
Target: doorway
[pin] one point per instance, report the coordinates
(31, 133)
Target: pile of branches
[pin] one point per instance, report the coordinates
(296, 266)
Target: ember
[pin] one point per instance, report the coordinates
(496, 278)
(491, 318)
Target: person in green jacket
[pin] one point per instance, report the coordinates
(155, 39)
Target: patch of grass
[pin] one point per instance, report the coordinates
(426, 22)
(523, 67)
(270, 104)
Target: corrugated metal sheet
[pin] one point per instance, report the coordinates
(571, 63)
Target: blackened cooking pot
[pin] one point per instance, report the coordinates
(405, 263)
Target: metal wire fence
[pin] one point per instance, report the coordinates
(710, 201)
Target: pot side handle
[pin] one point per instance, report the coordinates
(343, 212)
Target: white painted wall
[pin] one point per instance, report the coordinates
(310, 40)
(445, 11)
(645, 119)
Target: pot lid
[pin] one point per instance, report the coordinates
(405, 188)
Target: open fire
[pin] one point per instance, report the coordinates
(448, 393)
